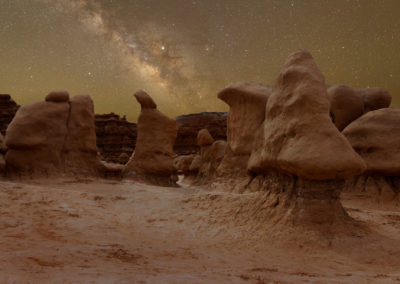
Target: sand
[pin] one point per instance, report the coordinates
(102, 231)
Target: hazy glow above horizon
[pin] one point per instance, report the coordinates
(183, 52)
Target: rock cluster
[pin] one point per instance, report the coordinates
(376, 138)
(189, 125)
(53, 137)
(8, 108)
(282, 143)
(116, 137)
(347, 104)
(152, 160)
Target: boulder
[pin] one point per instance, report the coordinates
(374, 98)
(57, 97)
(152, 161)
(346, 105)
(299, 137)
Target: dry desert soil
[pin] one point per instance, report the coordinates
(102, 231)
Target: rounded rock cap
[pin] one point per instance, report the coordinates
(204, 138)
(144, 99)
(57, 97)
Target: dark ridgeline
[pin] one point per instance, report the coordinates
(8, 108)
(189, 125)
(116, 137)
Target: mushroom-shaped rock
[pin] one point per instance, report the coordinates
(144, 100)
(299, 137)
(374, 98)
(300, 158)
(57, 97)
(204, 138)
(152, 160)
(246, 102)
(346, 105)
(376, 138)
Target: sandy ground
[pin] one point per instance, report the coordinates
(85, 231)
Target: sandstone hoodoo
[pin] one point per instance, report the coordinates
(116, 137)
(8, 108)
(53, 137)
(303, 158)
(246, 102)
(346, 105)
(211, 155)
(189, 125)
(376, 138)
(152, 160)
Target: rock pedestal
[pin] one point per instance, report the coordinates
(152, 160)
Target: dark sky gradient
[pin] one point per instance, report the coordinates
(183, 52)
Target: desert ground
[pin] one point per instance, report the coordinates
(104, 231)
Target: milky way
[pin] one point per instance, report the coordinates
(182, 52)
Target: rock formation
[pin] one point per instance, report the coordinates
(189, 125)
(211, 155)
(247, 102)
(302, 159)
(182, 166)
(376, 138)
(346, 105)
(8, 108)
(152, 160)
(374, 98)
(53, 137)
(116, 137)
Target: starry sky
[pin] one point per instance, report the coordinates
(182, 52)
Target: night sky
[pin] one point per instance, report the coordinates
(182, 52)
